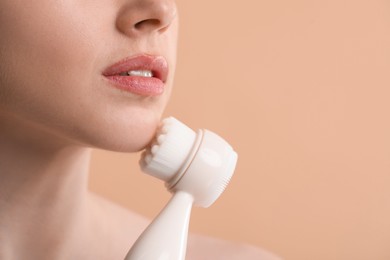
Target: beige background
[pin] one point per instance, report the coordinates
(301, 90)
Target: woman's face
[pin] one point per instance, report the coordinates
(57, 74)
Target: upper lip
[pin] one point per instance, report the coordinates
(156, 64)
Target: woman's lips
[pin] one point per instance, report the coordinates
(143, 75)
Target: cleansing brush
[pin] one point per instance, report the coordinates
(196, 168)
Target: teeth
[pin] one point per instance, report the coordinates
(139, 73)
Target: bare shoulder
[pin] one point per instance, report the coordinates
(123, 221)
(115, 228)
(207, 248)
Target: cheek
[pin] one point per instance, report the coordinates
(44, 56)
(42, 50)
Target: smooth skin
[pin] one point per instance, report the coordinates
(55, 106)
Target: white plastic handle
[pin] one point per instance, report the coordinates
(166, 237)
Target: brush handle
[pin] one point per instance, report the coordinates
(166, 237)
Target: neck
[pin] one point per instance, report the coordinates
(43, 191)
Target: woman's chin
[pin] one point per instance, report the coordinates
(132, 144)
(129, 139)
(117, 130)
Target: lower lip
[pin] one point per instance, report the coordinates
(142, 86)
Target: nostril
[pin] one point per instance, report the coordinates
(145, 17)
(148, 23)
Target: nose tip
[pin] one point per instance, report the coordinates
(146, 16)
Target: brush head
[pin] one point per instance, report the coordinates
(200, 164)
(169, 150)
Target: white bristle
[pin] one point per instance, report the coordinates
(148, 158)
(155, 149)
(170, 150)
(165, 129)
(160, 139)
